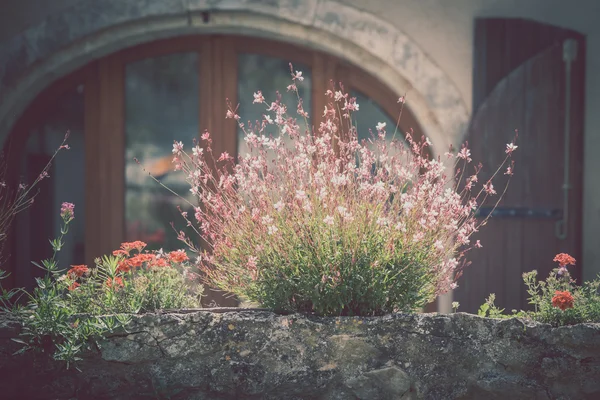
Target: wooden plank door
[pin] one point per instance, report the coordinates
(522, 236)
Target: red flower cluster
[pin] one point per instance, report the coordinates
(151, 260)
(73, 286)
(563, 300)
(563, 259)
(127, 247)
(178, 256)
(115, 283)
(77, 271)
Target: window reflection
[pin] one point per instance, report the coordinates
(269, 75)
(66, 183)
(161, 106)
(370, 115)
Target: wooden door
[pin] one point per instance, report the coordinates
(522, 234)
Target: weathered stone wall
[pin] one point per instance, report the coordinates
(261, 355)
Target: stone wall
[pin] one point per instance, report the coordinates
(260, 355)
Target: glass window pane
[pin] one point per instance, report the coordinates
(161, 106)
(66, 183)
(369, 115)
(269, 75)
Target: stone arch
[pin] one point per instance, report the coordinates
(93, 28)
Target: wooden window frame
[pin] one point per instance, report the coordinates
(104, 126)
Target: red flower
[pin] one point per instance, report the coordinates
(137, 245)
(564, 259)
(138, 260)
(73, 286)
(135, 262)
(178, 256)
(123, 266)
(120, 252)
(116, 282)
(160, 262)
(563, 300)
(77, 271)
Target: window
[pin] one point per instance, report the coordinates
(133, 104)
(161, 105)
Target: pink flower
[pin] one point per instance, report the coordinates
(225, 157)
(489, 188)
(231, 115)
(206, 136)
(298, 76)
(177, 148)
(465, 154)
(280, 205)
(328, 220)
(67, 211)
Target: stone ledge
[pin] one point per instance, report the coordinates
(256, 354)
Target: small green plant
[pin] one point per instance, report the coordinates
(455, 305)
(66, 312)
(488, 309)
(557, 300)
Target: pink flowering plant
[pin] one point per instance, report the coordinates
(322, 222)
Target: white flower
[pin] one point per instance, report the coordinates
(380, 126)
(258, 97)
(510, 148)
(280, 205)
(272, 230)
(381, 221)
(328, 220)
(197, 151)
(300, 195)
(177, 147)
(417, 237)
